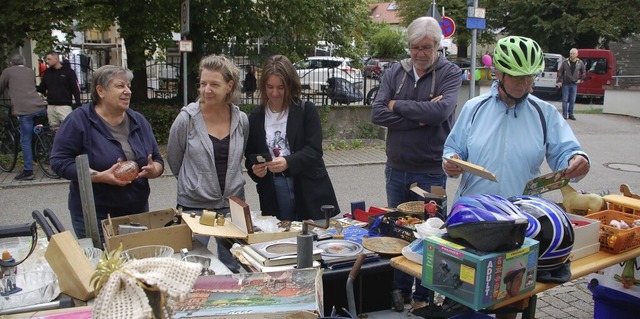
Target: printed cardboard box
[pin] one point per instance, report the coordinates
(478, 279)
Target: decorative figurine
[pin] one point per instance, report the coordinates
(220, 220)
(575, 202)
(627, 278)
(8, 276)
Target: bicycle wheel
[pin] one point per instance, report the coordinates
(371, 95)
(42, 151)
(8, 149)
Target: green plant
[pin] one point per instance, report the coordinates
(368, 130)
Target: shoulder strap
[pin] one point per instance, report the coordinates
(543, 121)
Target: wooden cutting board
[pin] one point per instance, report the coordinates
(385, 245)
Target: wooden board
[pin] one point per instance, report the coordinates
(384, 245)
(240, 214)
(472, 168)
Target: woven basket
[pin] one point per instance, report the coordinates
(414, 207)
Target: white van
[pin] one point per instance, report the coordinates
(545, 83)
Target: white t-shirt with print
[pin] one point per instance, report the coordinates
(275, 127)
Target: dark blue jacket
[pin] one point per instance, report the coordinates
(83, 132)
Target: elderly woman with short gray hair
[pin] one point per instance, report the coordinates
(108, 132)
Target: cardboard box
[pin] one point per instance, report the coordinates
(586, 232)
(438, 195)
(73, 268)
(239, 226)
(176, 236)
(229, 230)
(473, 278)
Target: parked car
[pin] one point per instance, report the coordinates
(373, 68)
(314, 72)
(545, 84)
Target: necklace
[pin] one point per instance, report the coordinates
(271, 110)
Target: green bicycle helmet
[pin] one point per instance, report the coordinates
(518, 56)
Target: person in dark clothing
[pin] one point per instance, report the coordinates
(249, 81)
(26, 104)
(60, 85)
(416, 102)
(295, 184)
(108, 132)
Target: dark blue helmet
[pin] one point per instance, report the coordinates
(487, 223)
(549, 225)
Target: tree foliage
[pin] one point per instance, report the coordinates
(388, 43)
(559, 25)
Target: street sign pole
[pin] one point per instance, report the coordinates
(474, 41)
(184, 24)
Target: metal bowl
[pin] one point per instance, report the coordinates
(150, 251)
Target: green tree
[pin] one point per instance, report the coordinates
(388, 43)
(289, 27)
(559, 25)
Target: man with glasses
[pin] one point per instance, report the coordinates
(416, 102)
(509, 132)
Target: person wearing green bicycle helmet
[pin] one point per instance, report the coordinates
(518, 60)
(511, 132)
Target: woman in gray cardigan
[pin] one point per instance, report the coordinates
(206, 145)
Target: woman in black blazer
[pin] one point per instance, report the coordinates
(284, 150)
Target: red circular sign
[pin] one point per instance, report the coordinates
(448, 26)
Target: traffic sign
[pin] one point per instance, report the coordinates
(184, 18)
(186, 46)
(476, 23)
(448, 27)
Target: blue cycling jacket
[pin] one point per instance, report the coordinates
(509, 142)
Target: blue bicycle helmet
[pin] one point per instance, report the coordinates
(549, 225)
(487, 223)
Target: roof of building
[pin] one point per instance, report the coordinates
(384, 12)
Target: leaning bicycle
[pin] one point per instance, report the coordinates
(42, 142)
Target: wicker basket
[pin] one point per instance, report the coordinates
(414, 207)
(615, 240)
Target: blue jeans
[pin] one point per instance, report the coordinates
(398, 192)
(26, 135)
(285, 197)
(569, 92)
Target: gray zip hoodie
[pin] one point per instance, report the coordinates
(417, 127)
(191, 159)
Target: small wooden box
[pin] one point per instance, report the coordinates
(176, 236)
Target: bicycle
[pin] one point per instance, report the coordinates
(42, 142)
